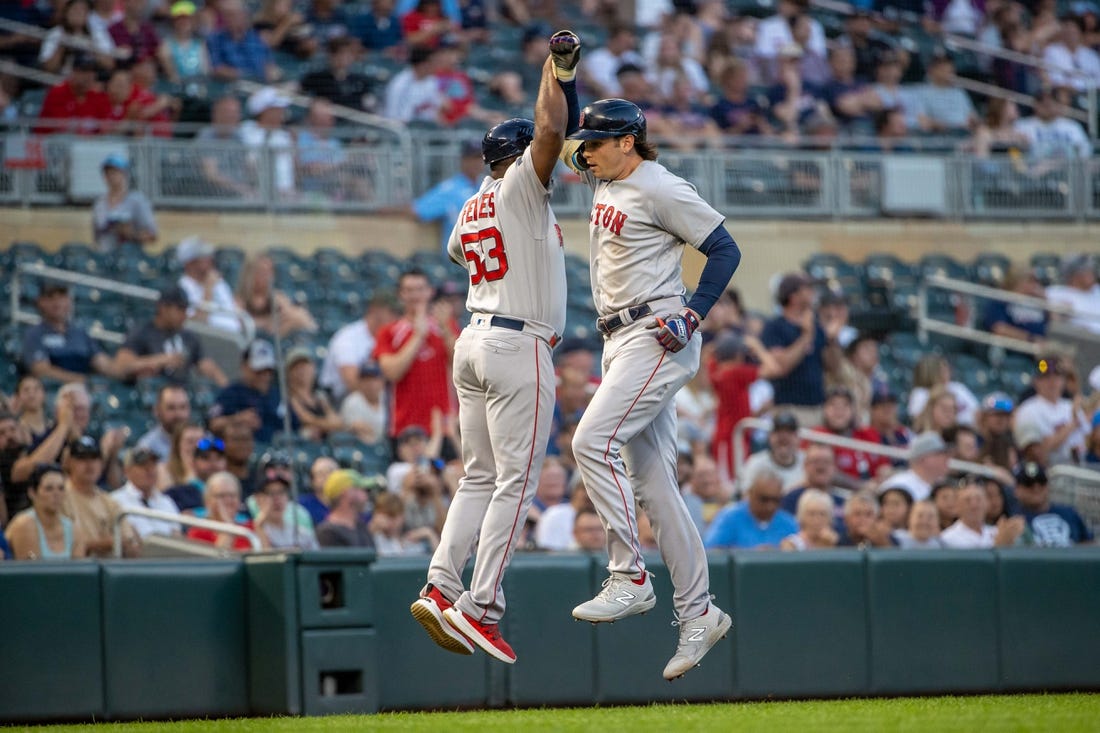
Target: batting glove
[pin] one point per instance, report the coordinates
(674, 329)
(565, 50)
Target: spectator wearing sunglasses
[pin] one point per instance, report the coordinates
(1048, 524)
(757, 521)
(279, 522)
(970, 530)
(140, 492)
(208, 459)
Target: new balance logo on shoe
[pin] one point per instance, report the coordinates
(697, 634)
(626, 598)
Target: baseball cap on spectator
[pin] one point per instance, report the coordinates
(629, 68)
(471, 149)
(182, 8)
(116, 160)
(839, 391)
(174, 295)
(1075, 263)
(140, 455)
(926, 444)
(1026, 434)
(888, 56)
(883, 397)
(997, 402)
(51, 287)
(266, 98)
(370, 369)
(785, 420)
(273, 474)
(831, 297)
(343, 479)
(410, 433)
(297, 354)
(1029, 473)
(84, 61)
(790, 51)
(1048, 366)
(791, 283)
(728, 345)
(260, 355)
(84, 447)
(193, 248)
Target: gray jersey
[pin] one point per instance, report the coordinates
(512, 245)
(637, 229)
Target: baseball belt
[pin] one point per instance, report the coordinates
(610, 324)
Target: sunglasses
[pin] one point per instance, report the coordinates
(206, 445)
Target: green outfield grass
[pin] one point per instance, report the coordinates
(1001, 713)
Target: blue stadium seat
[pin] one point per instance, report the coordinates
(886, 268)
(990, 269)
(944, 266)
(1047, 267)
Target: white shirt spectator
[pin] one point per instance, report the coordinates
(224, 314)
(960, 537)
(917, 487)
(554, 530)
(100, 39)
(352, 345)
(775, 32)
(409, 98)
(1058, 138)
(356, 409)
(130, 497)
(602, 65)
(906, 541)
(1085, 304)
(1083, 60)
(1037, 415)
(964, 399)
(663, 79)
(254, 136)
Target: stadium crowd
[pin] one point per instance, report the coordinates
(701, 69)
(382, 385)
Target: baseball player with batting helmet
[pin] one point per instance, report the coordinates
(625, 444)
(510, 242)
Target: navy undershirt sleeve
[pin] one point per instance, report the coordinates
(573, 107)
(723, 257)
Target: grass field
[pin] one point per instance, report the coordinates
(1000, 713)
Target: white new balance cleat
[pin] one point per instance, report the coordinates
(620, 597)
(697, 636)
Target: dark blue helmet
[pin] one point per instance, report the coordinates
(507, 140)
(611, 118)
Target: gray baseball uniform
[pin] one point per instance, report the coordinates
(504, 375)
(626, 441)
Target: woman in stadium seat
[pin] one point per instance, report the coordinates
(269, 308)
(222, 498)
(940, 411)
(933, 370)
(179, 468)
(43, 532)
(815, 523)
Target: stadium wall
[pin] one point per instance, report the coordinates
(330, 632)
(769, 246)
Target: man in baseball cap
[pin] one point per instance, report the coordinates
(346, 493)
(928, 458)
(1051, 524)
(250, 400)
(210, 297)
(783, 457)
(1050, 414)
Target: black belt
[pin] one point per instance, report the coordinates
(515, 324)
(610, 324)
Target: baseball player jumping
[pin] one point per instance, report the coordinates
(508, 239)
(625, 444)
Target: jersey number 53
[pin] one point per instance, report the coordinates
(489, 262)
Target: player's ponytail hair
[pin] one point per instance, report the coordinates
(646, 149)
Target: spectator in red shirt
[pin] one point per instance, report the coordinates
(76, 99)
(730, 374)
(133, 104)
(415, 354)
(134, 33)
(426, 26)
(838, 413)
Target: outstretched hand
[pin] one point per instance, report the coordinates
(565, 51)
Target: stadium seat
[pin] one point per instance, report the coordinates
(1047, 267)
(990, 269)
(888, 269)
(943, 265)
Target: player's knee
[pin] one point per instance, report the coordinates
(587, 446)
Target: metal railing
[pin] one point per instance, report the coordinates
(837, 441)
(1080, 488)
(184, 519)
(97, 330)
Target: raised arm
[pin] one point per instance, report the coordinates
(551, 106)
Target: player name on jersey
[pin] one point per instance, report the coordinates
(606, 216)
(479, 207)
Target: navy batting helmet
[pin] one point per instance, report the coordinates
(506, 140)
(611, 118)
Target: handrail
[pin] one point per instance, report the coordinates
(34, 31)
(1074, 472)
(925, 323)
(29, 72)
(992, 90)
(184, 519)
(839, 441)
(248, 327)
